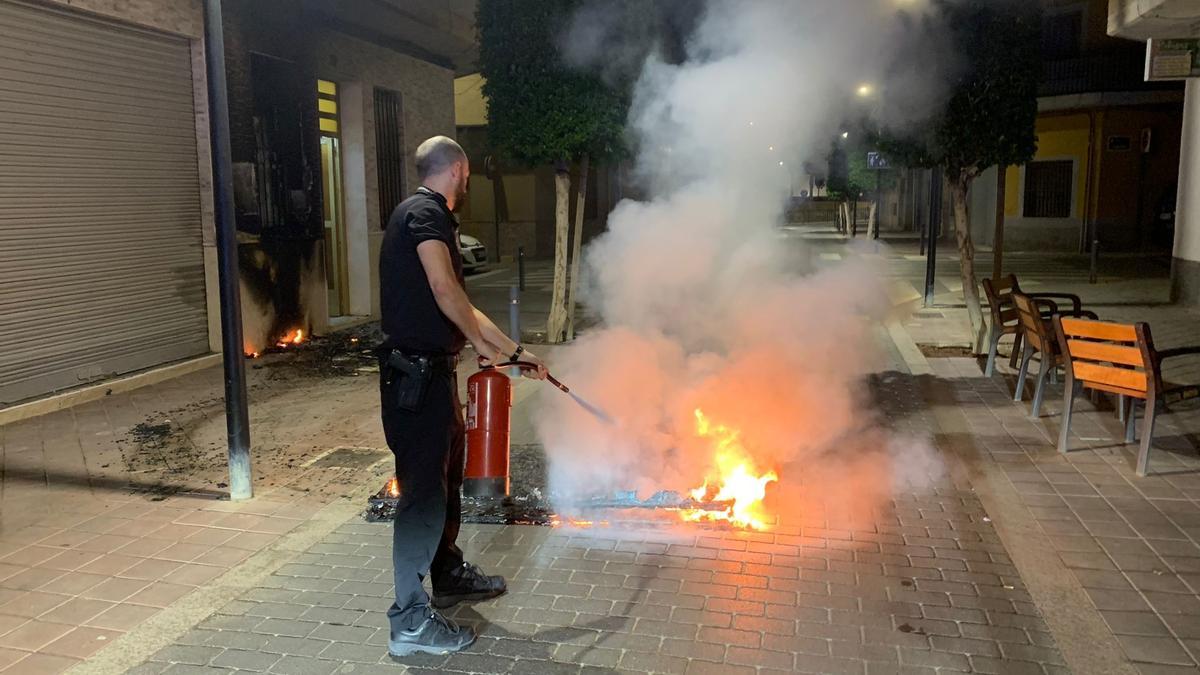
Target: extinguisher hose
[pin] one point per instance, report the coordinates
(526, 365)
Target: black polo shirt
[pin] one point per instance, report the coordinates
(412, 320)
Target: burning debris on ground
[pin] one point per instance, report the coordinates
(181, 448)
(343, 354)
(623, 508)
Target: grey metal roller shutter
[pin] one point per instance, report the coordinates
(101, 265)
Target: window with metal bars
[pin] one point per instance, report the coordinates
(389, 151)
(1048, 187)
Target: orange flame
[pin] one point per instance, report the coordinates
(739, 484)
(393, 487)
(291, 339)
(559, 521)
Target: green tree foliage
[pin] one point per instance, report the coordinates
(543, 111)
(990, 116)
(540, 109)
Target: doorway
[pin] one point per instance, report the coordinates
(331, 186)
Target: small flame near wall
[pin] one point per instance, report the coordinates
(291, 338)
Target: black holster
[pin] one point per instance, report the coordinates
(404, 380)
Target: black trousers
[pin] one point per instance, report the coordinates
(428, 445)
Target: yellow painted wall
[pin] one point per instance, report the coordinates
(518, 190)
(1059, 137)
(470, 107)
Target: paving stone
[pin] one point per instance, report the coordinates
(352, 634)
(1135, 623)
(829, 666)
(996, 666)
(304, 665)
(188, 654)
(236, 639)
(246, 660)
(481, 663)
(294, 646)
(356, 653)
(185, 669)
(332, 615)
(149, 668)
(1155, 650)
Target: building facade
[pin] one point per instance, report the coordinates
(107, 245)
(1108, 147)
(1173, 19)
(511, 207)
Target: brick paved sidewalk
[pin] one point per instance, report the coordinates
(1131, 544)
(920, 583)
(112, 511)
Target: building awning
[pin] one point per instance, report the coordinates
(437, 31)
(1145, 19)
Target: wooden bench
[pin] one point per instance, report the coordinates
(1004, 315)
(1118, 359)
(1040, 340)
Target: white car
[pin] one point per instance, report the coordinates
(474, 253)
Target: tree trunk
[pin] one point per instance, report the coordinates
(557, 321)
(959, 186)
(998, 237)
(577, 245)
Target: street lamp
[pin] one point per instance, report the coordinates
(865, 90)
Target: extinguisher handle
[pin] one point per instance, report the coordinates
(526, 365)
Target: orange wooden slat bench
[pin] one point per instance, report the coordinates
(1039, 338)
(1005, 321)
(1118, 359)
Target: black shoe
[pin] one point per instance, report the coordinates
(466, 582)
(435, 635)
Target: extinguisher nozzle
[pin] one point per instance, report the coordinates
(551, 379)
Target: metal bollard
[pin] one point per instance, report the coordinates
(1095, 261)
(514, 321)
(521, 266)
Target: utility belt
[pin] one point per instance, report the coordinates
(405, 376)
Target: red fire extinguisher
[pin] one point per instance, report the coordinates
(489, 408)
(489, 414)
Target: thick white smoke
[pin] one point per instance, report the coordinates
(702, 304)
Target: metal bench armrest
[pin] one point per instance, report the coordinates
(1178, 351)
(1048, 308)
(1076, 302)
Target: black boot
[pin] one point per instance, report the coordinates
(466, 582)
(435, 635)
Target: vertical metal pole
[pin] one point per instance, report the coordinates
(236, 417)
(916, 197)
(878, 201)
(854, 217)
(935, 226)
(514, 313)
(1095, 264)
(521, 267)
(998, 236)
(514, 321)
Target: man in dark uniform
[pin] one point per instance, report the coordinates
(428, 319)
